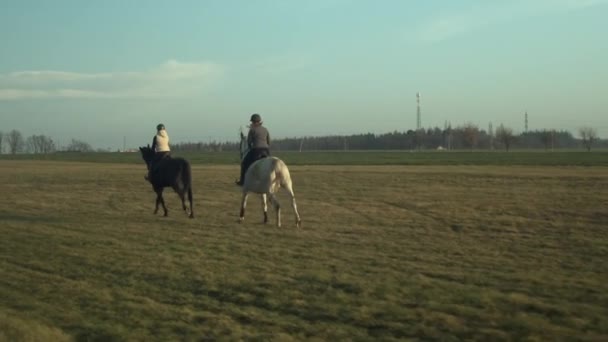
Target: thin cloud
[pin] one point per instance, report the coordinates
(284, 63)
(170, 79)
(447, 25)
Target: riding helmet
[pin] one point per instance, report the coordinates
(160, 126)
(256, 118)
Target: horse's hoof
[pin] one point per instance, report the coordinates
(241, 219)
(299, 224)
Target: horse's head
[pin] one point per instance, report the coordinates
(243, 147)
(147, 154)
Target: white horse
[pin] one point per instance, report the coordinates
(266, 176)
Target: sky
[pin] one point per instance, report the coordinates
(107, 72)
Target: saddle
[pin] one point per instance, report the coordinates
(158, 158)
(262, 156)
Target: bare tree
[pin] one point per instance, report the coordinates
(39, 144)
(15, 141)
(505, 136)
(30, 145)
(79, 146)
(588, 135)
(470, 134)
(1, 141)
(47, 145)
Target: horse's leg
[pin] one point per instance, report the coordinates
(182, 196)
(265, 207)
(243, 205)
(162, 201)
(158, 199)
(190, 200)
(293, 203)
(277, 207)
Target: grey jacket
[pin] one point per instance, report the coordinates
(258, 137)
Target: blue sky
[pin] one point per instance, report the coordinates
(103, 70)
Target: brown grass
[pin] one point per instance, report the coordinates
(386, 252)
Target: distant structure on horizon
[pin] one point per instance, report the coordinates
(418, 119)
(491, 134)
(526, 122)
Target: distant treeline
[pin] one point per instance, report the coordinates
(466, 137)
(14, 142)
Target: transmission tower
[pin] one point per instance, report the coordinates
(527, 138)
(418, 121)
(491, 133)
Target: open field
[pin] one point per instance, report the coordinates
(534, 157)
(483, 252)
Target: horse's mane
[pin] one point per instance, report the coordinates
(147, 152)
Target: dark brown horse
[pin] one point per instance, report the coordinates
(168, 172)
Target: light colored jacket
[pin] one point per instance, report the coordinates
(160, 142)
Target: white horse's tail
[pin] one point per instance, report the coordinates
(282, 175)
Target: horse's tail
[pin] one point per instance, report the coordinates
(281, 173)
(188, 184)
(187, 174)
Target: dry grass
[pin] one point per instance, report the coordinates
(387, 252)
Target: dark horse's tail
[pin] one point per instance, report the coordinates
(188, 177)
(188, 185)
(180, 179)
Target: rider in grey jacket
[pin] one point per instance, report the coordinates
(258, 140)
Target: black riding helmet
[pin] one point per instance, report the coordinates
(160, 126)
(255, 118)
